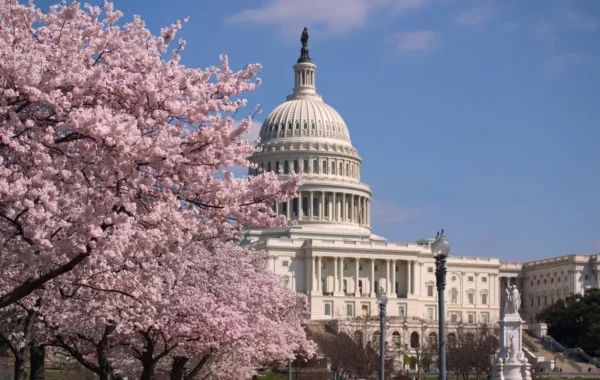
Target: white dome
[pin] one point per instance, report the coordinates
(304, 118)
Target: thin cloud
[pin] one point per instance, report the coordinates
(331, 16)
(415, 41)
(565, 60)
(543, 29)
(391, 213)
(582, 21)
(478, 15)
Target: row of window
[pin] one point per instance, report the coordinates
(280, 130)
(558, 279)
(346, 169)
(453, 278)
(547, 300)
(454, 296)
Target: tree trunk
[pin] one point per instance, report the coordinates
(147, 371)
(178, 368)
(37, 355)
(20, 373)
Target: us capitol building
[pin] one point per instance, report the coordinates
(332, 256)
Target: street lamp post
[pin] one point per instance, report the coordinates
(440, 249)
(382, 300)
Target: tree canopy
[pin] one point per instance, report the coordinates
(575, 321)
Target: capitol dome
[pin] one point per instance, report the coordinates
(306, 136)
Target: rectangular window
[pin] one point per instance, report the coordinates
(429, 290)
(350, 310)
(484, 299)
(286, 167)
(471, 317)
(485, 317)
(322, 265)
(470, 278)
(470, 297)
(306, 167)
(454, 317)
(429, 269)
(285, 263)
(430, 313)
(483, 279)
(401, 311)
(328, 308)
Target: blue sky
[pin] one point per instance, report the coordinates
(479, 117)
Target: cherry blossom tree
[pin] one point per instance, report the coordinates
(118, 218)
(104, 141)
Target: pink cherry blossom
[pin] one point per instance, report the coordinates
(118, 218)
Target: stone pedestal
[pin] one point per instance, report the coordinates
(511, 363)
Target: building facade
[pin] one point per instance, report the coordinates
(332, 256)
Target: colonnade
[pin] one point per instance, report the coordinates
(315, 278)
(313, 165)
(327, 206)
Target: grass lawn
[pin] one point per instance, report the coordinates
(273, 376)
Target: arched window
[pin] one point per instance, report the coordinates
(452, 339)
(470, 337)
(306, 167)
(433, 339)
(295, 207)
(305, 206)
(396, 338)
(358, 337)
(414, 340)
(326, 210)
(296, 167)
(324, 167)
(341, 171)
(347, 170)
(277, 168)
(453, 296)
(284, 208)
(333, 168)
(286, 167)
(269, 166)
(315, 167)
(345, 286)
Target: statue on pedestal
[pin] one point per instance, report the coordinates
(513, 300)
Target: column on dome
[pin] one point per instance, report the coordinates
(352, 216)
(310, 273)
(289, 209)
(322, 208)
(372, 287)
(344, 211)
(333, 208)
(394, 290)
(310, 206)
(330, 207)
(299, 211)
(356, 278)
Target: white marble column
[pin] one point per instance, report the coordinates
(412, 287)
(334, 212)
(394, 290)
(409, 277)
(387, 276)
(310, 206)
(418, 276)
(475, 301)
(341, 275)
(322, 208)
(336, 282)
(373, 289)
(356, 279)
(312, 273)
(300, 199)
(289, 209)
(493, 296)
(319, 274)
(344, 211)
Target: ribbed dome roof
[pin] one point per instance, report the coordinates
(304, 118)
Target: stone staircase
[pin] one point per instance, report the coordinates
(538, 350)
(571, 363)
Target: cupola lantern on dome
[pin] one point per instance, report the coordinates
(306, 136)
